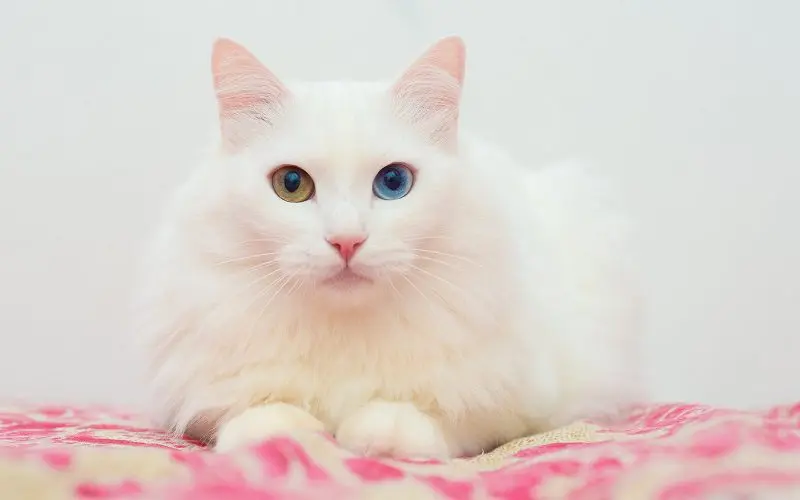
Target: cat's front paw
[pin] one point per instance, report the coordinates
(261, 422)
(395, 430)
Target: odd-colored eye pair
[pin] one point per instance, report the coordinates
(293, 184)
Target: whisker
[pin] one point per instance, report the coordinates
(431, 237)
(205, 320)
(415, 287)
(246, 257)
(280, 282)
(453, 265)
(391, 284)
(436, 276)
(464, 294)
(272, 297)
(260, 279)
(448, 254)
(259, 266)
(262, 240)
(469, 297)
(295, 286)
(398, 295)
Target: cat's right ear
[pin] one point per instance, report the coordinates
(249, 96)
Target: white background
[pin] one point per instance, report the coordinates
(691, 106)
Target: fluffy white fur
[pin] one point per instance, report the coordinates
(500, 302)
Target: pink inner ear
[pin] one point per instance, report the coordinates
(241, 81)
(447, 55)
(429, 92)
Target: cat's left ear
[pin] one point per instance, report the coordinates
(429, 93)
(249, 96)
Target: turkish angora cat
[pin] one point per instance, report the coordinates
(347, 260)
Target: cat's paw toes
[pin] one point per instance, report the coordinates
(261, 422)
(395, 430)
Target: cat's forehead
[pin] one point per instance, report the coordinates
(342, 121)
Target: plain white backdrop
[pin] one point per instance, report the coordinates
(691, 106)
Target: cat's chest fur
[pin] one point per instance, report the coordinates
(333, 366)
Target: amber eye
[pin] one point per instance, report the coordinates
(292, 184)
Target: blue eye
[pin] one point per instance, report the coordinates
(393, 182)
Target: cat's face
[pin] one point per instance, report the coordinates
(343, 190)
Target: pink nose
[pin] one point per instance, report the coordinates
(346, 245)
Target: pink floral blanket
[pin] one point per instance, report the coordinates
(662, 452)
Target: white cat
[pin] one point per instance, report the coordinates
(349, 261)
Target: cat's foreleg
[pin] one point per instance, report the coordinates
(261, 422)
(393, 429)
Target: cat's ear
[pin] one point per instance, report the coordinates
(429, 92)
(249, 96)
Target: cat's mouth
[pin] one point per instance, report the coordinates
(347, 278)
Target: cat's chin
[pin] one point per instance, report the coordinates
(347, 279)
(347, 289)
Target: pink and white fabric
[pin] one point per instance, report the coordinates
(663, 452)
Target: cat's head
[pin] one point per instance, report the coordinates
(341, 192)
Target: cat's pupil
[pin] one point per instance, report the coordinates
(392, 179)
(291, 181)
